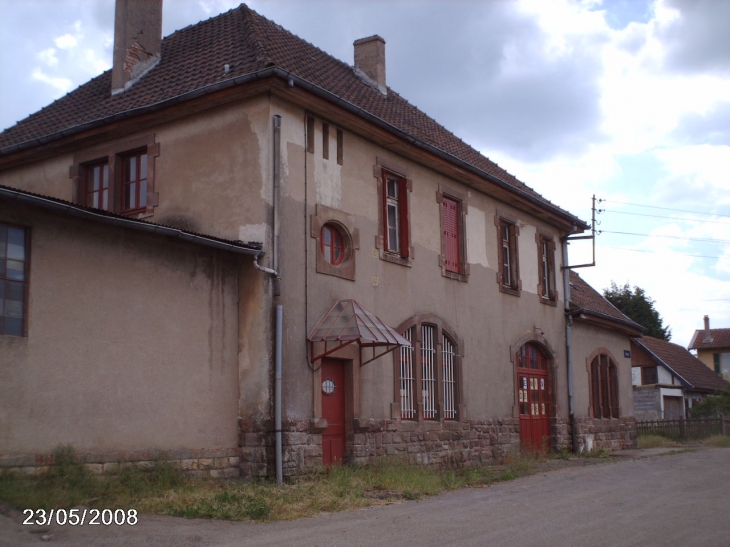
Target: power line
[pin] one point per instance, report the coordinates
(656, 252)
(667, 237)
(663, 208)
(661, 216)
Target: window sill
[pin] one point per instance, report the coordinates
(395, 259)
(509, 290)
(548, 301)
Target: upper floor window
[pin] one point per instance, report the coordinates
(604, 387)
(428, 374)
(118, 178)
(13, 279)
(134, 182)
(508, 275)
(453, 241)
(332, 244)
(394, 238)
(546, 268)
(97, 185)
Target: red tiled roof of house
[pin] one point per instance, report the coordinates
(247, 42)
(586, 298)
(720, 339)
(694, 371)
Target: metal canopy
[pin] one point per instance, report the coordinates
(347, 322)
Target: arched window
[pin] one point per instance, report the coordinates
(332, 243)
(428, 373)
(604, 387)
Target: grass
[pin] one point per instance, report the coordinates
(166, 490)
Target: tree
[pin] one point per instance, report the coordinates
(637, 306)
(714, 405)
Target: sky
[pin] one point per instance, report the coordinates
(625, 100)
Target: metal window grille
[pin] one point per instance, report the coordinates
(448, 360)
(407, 379)
(428, 371)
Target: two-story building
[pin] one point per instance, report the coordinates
(235, 251)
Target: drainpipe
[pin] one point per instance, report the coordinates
(277, 292)
(568, 328)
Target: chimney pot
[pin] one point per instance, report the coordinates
(708, 338)
(370, 61)
(137, 40)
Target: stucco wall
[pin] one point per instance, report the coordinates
(131, 342)
(489, 322)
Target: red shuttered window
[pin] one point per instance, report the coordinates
(604, 387)
(452, 254)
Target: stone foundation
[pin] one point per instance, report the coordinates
(219, 463)
(610, 435)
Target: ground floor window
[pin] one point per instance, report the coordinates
(13, 279)
(604, 387)
(428, 373)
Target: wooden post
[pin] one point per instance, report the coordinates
(722, 424)
(681, 428)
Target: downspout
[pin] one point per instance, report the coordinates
(277, 292)
(568, 329)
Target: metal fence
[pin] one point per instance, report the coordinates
(696, 428)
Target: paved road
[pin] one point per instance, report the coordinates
(672, 500)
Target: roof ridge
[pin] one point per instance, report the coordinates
(251, 34)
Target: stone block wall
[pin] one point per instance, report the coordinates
(219, 463)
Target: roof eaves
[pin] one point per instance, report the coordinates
(251, 249)
(292, 78)
(660, 361)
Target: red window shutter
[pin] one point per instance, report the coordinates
(403, 213)
(451, 235)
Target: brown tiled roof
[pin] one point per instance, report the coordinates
(99, 215)
(720, 339)
(686, 365)
(585, 298)
(193, 58)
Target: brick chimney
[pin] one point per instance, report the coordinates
(137, 40)
(708, 338)
(370, 61)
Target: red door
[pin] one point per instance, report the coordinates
(533, 397)
(333, 410)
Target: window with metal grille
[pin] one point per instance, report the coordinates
(448, 377)
(13, 279)
(407, 379)
(427, 373)
(604, 387)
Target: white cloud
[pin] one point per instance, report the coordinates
(48, 56)
(62, 85)
(67, 41)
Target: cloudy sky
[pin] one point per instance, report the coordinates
(627, 100)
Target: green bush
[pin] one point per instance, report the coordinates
(714, 405)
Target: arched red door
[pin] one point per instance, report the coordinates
(533, 396)
(333, 410)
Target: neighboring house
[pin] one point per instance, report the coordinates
(668, 379)
(601, 342)
(409, 300)
(713, 348)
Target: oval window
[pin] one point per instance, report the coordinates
(332, 243)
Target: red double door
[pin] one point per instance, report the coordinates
(533, 395)
(333, 410)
